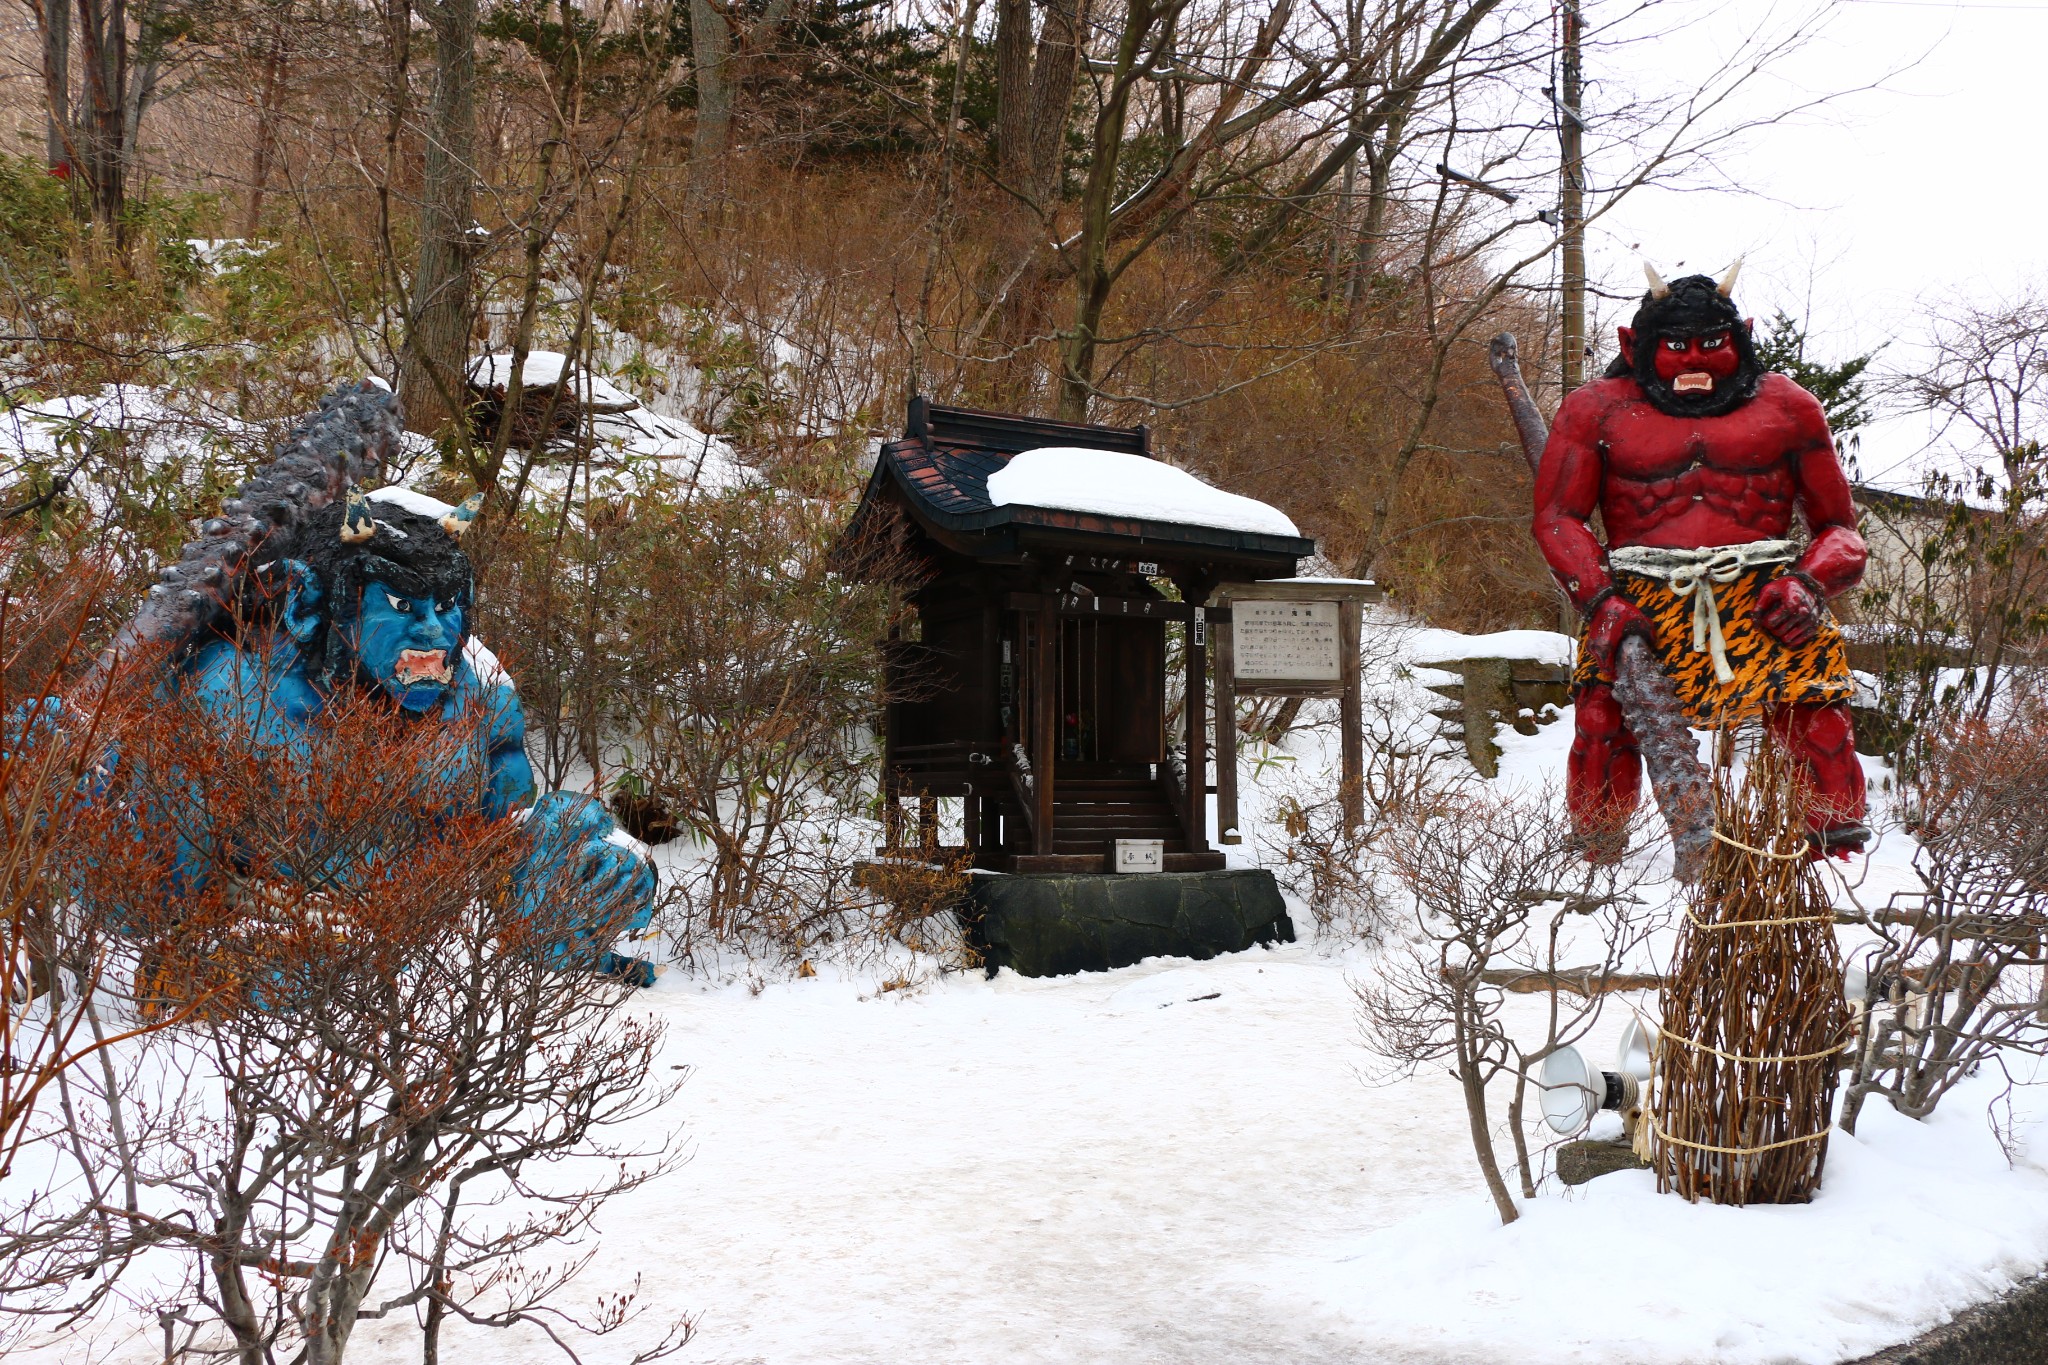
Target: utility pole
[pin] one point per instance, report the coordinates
(1572, 203)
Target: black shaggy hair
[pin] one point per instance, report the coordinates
(1694, 306)
(409, 553)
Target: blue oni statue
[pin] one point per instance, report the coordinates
(306, 590)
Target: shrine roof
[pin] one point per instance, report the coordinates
(1094, 482)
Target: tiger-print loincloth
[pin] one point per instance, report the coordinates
(1767, 672)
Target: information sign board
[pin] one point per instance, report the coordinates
(1286, 641)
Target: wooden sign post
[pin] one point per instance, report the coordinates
(1289, 637)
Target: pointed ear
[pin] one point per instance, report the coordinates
(302, 598)
(1749, 326)
(1627, 336)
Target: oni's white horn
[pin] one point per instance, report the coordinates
(1658, 289)
(457, 519)
(1727, 285)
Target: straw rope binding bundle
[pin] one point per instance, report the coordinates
(1754, 1019)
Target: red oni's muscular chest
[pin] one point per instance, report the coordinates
(1691, 481)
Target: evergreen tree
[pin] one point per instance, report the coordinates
(1838, 387)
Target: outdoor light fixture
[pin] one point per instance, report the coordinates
(1573, 1092)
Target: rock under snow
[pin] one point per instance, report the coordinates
(1433, 648)
(542, 368)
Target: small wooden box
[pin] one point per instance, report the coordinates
(1140, 855)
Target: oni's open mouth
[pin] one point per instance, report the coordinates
(424, 666)
(1693, 381)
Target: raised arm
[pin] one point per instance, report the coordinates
(511, 774)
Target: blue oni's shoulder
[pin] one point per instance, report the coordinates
(484, 689)
(259, 683)
(484, 692)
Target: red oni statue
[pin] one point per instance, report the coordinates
(1696, 461)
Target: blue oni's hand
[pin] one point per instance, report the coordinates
(585, 882)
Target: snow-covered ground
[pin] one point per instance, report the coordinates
(1198, 1162)
(1179, 1162)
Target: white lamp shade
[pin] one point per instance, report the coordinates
(1572, 1091)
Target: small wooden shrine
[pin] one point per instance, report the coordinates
(1047, 601)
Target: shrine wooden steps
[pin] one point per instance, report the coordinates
(1092, 812)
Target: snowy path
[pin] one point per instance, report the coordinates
(1057, 1171)
(1109, 1169)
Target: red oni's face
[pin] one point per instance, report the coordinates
(1695, 364)
(1698, 364)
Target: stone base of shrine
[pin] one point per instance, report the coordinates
(1041, 924)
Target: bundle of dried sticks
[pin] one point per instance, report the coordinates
(1754, 1020)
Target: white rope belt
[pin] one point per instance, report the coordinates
(1693, 574)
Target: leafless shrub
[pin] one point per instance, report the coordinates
(1955, 982)
(922, 898)
(1497, 885)
(55, 1034)
(384, 1079)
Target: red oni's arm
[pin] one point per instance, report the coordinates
(1567, 491)
(1834, 561)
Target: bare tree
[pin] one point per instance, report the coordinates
(1955, 982)
(723, 51)
(1979, 588)
(390, 1045)
(1497, 884)
(55, 1038)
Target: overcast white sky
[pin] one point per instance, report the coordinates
(1856, 217)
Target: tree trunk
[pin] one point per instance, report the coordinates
(146, 67)
(55, 18)
(711, 43)
(431, 372)
(1013, 91)
(269, 98)
(340, 1301)
(1092, 278)
(1052, 93)
(1035, 103)
(104, 36)
(1475, 1117)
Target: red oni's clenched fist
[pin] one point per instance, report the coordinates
(1696, 461)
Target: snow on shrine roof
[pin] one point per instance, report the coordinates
(1114, 484)
(986, 476)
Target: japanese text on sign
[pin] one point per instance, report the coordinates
(1285, 641)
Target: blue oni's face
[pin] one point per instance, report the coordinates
(409, 644)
